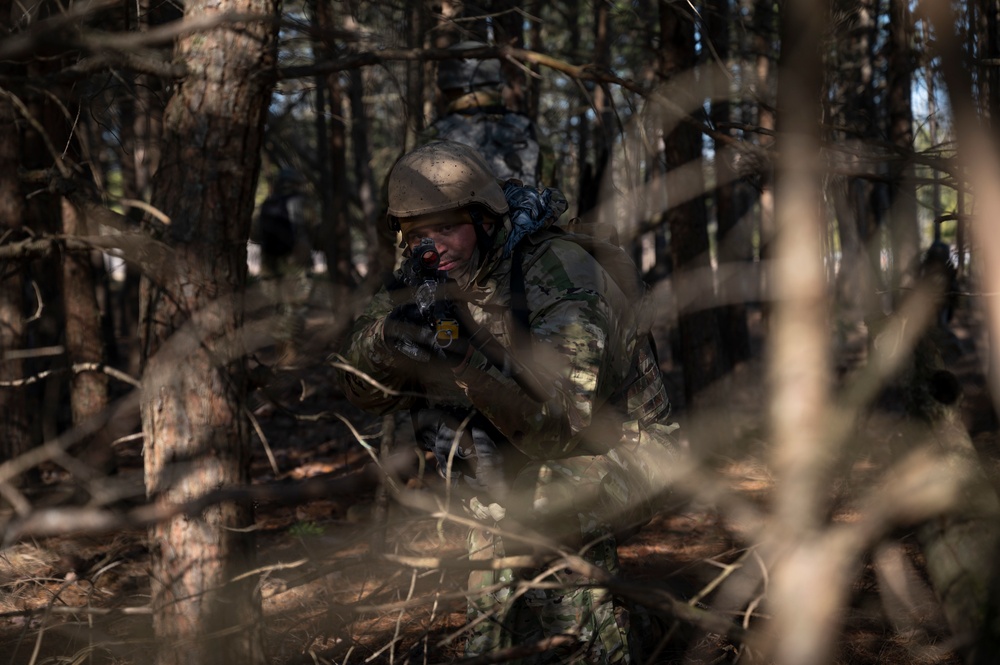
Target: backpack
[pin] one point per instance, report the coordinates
(277, 232)
(505, 139)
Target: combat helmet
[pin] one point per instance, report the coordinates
(468, 74)
(439, 176)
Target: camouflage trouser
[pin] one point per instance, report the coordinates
(583, 502)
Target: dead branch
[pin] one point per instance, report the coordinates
(76, 369)
(93, 521)
(64, 32)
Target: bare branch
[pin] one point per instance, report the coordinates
(77, 368)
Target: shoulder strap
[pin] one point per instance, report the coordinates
(519, 302)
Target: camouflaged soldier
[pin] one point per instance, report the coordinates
(474, 114)
(281, 228)
(582, 462)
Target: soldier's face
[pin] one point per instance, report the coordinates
(453, 234)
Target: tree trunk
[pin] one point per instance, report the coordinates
(904, 229)
(577, 124)
(336, 236)
(534, 84)
(142, 114)
(855, 113)
(735, 252)
(325, 187)
(381, 254)
(194, 383)
(414, 78)
(700, 338)
(15, 430)
(84, 340)
(763, 30)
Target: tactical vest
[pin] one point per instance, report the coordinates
(643, 395)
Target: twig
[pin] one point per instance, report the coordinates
(342, 364)
(263, 440)
(76, 368)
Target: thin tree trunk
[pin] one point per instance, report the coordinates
(763, 37)
(580, 129)
(903, 192)
(84, 339)
(700, 338)
(803, 599)
(534, 85)
(336, 231)
(735, 254)
(325, 186)
(414, 78)
(861, 277)
(194, 383)
(379, 259)
(143, 134)
(605, 129)
(15, 429)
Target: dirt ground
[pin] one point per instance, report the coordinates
(327, 599)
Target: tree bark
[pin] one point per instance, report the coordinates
(336, 233)
(904, 230)
(700, 338)
(84, 339)
(414, 78)
(194, 383)
(860, 278)
(735, 252)
(15, 430)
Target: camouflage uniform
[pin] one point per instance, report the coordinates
(286, 277)
(582, 468)
(474, 114)
(508, 140)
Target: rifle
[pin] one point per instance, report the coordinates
(420, 272)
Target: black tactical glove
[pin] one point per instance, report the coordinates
(409, 333)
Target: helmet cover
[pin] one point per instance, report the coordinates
(442, 175)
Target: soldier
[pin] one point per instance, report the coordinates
(938, 270)
(475, 114)
(281, 228)
(572, 447)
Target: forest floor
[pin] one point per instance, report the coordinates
(327, 599)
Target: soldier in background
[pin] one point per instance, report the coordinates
(938, 270)
(282, 229)
(475, 114)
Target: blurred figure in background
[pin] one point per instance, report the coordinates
(475, 115)
(282, 229)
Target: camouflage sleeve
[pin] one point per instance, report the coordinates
(575, 335)
(373, 361)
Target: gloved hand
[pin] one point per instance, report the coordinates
(406, 331)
